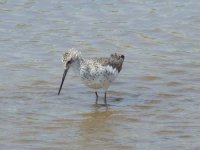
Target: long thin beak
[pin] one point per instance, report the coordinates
(63, 79)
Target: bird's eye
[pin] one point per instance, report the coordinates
(69, 62)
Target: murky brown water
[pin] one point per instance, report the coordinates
(154, 104)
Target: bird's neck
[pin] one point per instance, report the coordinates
(77, 64)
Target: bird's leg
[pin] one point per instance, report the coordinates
(105, 101)
(96, 97)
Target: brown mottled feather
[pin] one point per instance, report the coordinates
(115, 60)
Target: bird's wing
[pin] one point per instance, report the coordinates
(115, 60)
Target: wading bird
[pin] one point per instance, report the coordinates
(95, 73)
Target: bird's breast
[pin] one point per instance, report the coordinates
(98, 77)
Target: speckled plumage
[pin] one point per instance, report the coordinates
(95, 73)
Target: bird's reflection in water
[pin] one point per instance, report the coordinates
(97, 127)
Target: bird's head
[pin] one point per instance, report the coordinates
(70, 58)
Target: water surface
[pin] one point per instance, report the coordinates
(154, 103)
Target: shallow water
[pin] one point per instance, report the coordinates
(154, 103)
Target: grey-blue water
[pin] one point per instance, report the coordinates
(154, 103)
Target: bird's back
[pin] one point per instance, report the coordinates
(115, 61)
